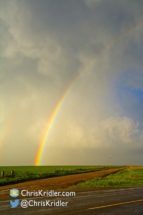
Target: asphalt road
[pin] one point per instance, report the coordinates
(128, 201)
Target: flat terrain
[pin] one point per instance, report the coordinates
(126, 178)
(87, 201)
(26, 173)
(56, 183)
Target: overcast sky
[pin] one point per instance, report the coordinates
(44, 44)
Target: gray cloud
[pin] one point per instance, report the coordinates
(44, 44)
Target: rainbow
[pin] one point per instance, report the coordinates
(52, 118)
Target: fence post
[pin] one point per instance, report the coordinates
(12, 173)
(2, 173)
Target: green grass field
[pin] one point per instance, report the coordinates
(125, 178)
(26, 173)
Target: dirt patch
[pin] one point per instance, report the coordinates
(56, 183)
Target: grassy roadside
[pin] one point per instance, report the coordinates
(125, 178)
(27, 173)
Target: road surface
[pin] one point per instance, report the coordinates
(123, 201)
